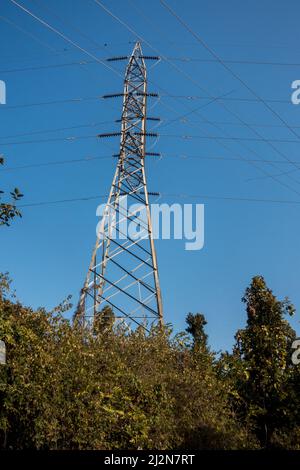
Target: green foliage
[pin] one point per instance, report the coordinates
(8, 210)
(261, 365)
(104, 320)
(66, 386)
(196, 323)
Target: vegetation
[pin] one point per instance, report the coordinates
(68, 387)
(9, 210)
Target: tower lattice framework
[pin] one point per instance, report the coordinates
(123, 272)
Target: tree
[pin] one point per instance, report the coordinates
(65, 387)
(104, 320)
(264, 347)
(8, 210)
(196, 323)
(209, 406)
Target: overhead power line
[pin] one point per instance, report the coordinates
(68, 100)
(61, 201)
(240, 61)
(238, 138)
(54, 163)
(226, 67)
(27, 33)
(66, 38)
(192, 80)
(91, 158)
(234, 124)
(107, 44)
(59, 129)
(95, 98)
(221, 61)
(242, 99)
(73, 63)
(70, 25)
(72, 138)
(83, 50)
(181, 119)
(167, 195)
(46, 103)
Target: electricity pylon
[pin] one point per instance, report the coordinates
(123, 272)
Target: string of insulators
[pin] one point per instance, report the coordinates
(150, 193)
(113, 96)
(116, 95)
(111, 134)
(147, 154)
(155, 95)
(149, 57)
(115, 134)
(125, 57)
(148, 119)
(122, 57)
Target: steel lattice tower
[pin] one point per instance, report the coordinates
(123, 270)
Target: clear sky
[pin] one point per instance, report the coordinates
(47, 251)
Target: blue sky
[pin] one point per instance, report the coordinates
(47, 251)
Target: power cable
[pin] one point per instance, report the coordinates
(59, 129)
(179, 136)
(66, 38)
(93, 98)
(183, 59)
(53, 163)
(234, 74)
(46, 103)
(166, 195)
(72, 42)
(193, 81)
(161, 156)
(27, 33)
